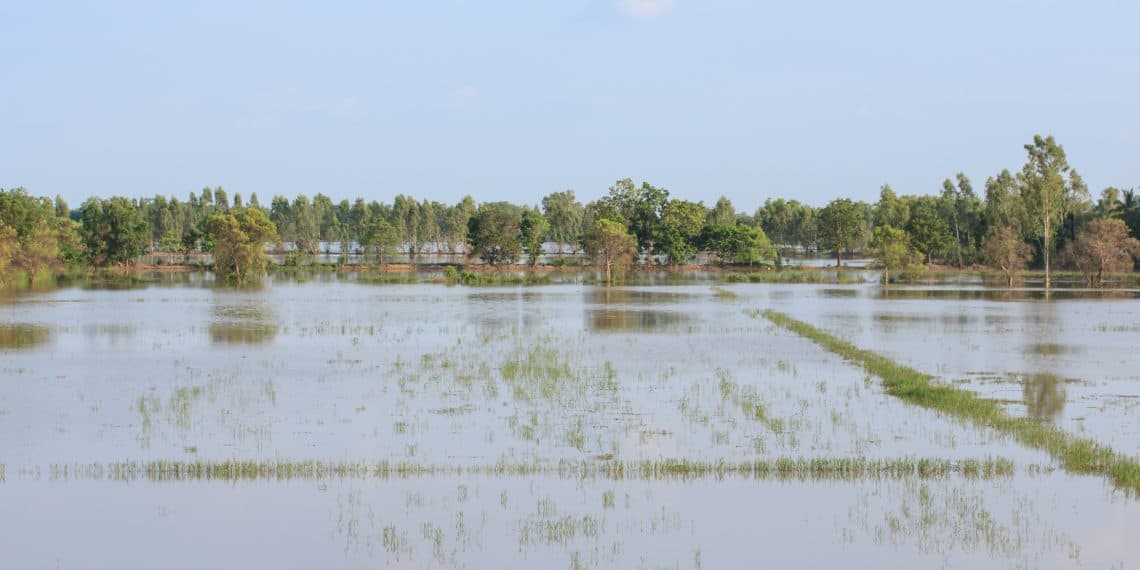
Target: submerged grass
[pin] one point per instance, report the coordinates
(1075, 454)
(786, 468)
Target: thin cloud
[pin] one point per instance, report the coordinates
(646, 8)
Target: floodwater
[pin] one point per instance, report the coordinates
(338, 424)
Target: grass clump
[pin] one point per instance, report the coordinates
(1074, 454)
(784, 468)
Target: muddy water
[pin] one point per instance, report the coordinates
(464, 387)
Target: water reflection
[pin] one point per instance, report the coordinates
(616, 296)
(1002, 294)
(241, 333)
(619, 320)
(1051, 349)
(1044, 395)
(839, 293)
(18, 336)
(246, 322)
(113, 335)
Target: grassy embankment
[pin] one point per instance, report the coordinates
(1074, 454)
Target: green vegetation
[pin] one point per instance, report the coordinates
(36, 237)
(239, 240)
(1074, 454)
(1023, 220)
(799, 469)
(840, 227)
(113, 231)
(609, 244)
(893, 250)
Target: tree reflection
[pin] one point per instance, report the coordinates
(22, 335)
(242, 323)
(615, 320)
(1044, 395)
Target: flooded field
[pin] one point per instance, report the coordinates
(339, 424)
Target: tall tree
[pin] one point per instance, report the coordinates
(380, 239)
(892, 250)
(9, 247)
(1004, 249)
(890, 210)
(737, 243)
(564, 212)
(113, 231)
(239, 238)
(929, 233)
(494, 233)
(722, 213)
(1103, 246)
(840, 227)
(533, 228)
(1050, 190)
(306, 226)
(610, 246)
(680, 228)
(961, 209)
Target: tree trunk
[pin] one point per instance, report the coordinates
(838, 257)
(958, 241)
(1047, 276)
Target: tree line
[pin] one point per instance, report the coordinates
(1020, 219)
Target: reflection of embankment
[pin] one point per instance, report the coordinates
(19, 336)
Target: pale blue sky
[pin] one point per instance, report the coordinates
(513, 100)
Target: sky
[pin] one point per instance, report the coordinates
(512, 100)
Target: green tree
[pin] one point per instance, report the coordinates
(380, 239)
(962, 210)
(9, 247)
(533, 229)
(220, 200)
(722, 213)
(565, 214)
(1004, 206)
(892, 250)
(840, 227)
(738, 243)
(929, 233)
(239, 238)
(494, 233)
(406, 220)
(680, 229)
(610, 246)
(1050, 190)
(306, 226)
(890, 210)
(639, 208)
(1004, 249)
(1103, 246)
(113, 231)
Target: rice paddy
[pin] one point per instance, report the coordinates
(332, 421)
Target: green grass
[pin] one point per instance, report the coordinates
(1074, 454)
(786, 468)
